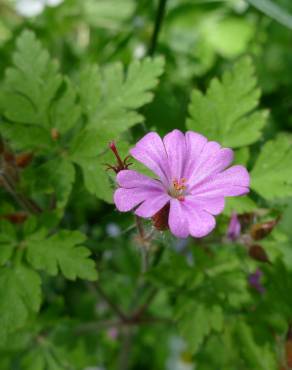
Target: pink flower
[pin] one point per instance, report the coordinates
(191, 177)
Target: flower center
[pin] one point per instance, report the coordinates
(178, 188)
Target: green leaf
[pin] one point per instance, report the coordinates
(226, 112)
(273, 10)
(7, 242)
(239, 205)
(62, 251)
(90, 151)
(96, 178)
(55, 177)
(20, 288)
(6, 249)
(23, 137)
(196, 321)
(257, 357)
(271, 176)
(89, 84)
(229, 36)
(117, 95)
(43, 357)
(108, 13)
(31, 84)
(84, 152)
(65, 112)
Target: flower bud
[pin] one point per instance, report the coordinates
(23, 160)
(261, 230)
(258, 253)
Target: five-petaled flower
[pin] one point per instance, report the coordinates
(192, 178)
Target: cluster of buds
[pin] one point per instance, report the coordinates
(251, 235)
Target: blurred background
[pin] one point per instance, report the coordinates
(198, 39)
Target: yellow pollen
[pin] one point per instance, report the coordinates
(178, 188)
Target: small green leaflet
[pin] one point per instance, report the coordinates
(7, 242)
(256, 357)
(31, 84)
(63, 251)
(111, 96)
(108, 13)
(196, 321)
(92, 157)
(271, 176)
(56, 176)
(226, 113)
(43, 357)
(20, 289)
(36, 99)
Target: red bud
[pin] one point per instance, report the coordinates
(17, 217)
(261, 230)
(258, 253)
(22, 160)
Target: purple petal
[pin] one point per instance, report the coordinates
(177, 220)
(234, 227)
(132, 179)
(127, 199)
(195, 144)
(212, 205)
(200, 222)
(175, 146)
(254, 280)
(151, 152)
(152, 205)
(231, 182)
(213, 160)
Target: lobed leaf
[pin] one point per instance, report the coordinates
(31, 84)
(21, 288)
(62, 251)
(110, 97)
(226, 113)
(271, 176)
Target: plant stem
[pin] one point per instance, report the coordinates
(27, 204)
(124, 357)
(111, 304)
(141, 310)
(140, 227)
(158, 23)
(96, 326)
(143, 247)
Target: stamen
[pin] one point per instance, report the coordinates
(178, 188)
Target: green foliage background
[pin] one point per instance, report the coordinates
(73, 294)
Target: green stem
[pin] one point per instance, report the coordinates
(157, 27)
(110, 302)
